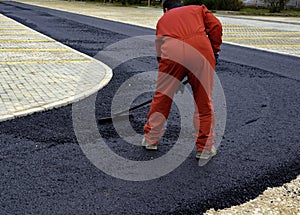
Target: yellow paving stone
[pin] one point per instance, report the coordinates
(33, 49)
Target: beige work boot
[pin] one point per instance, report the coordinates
(206, 154)
(148, 146)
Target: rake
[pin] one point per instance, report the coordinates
(120, 115)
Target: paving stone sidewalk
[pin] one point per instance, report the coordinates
(39, 73)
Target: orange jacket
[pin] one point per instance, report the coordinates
(186, 21)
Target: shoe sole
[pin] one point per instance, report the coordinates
(213, 153)
(148, 146)
(151, 147)
(206, 158)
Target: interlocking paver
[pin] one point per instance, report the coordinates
(270, 36)
(262, 37)
(38, 73)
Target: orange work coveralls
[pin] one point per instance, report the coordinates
(187, 38)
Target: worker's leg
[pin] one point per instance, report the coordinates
(204, 113)
(169, 77)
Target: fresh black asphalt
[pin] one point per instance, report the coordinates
(44, 171)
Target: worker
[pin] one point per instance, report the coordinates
(188, 40)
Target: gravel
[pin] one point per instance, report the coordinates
(276, 201)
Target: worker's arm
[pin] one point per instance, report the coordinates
(213, 29)
(158, 41)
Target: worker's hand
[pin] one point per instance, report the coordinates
(217, 58)
(180, 89)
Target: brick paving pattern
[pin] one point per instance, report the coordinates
(38, 73)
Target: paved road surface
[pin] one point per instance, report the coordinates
(45, 171)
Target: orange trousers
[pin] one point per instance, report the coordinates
(162, 101)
